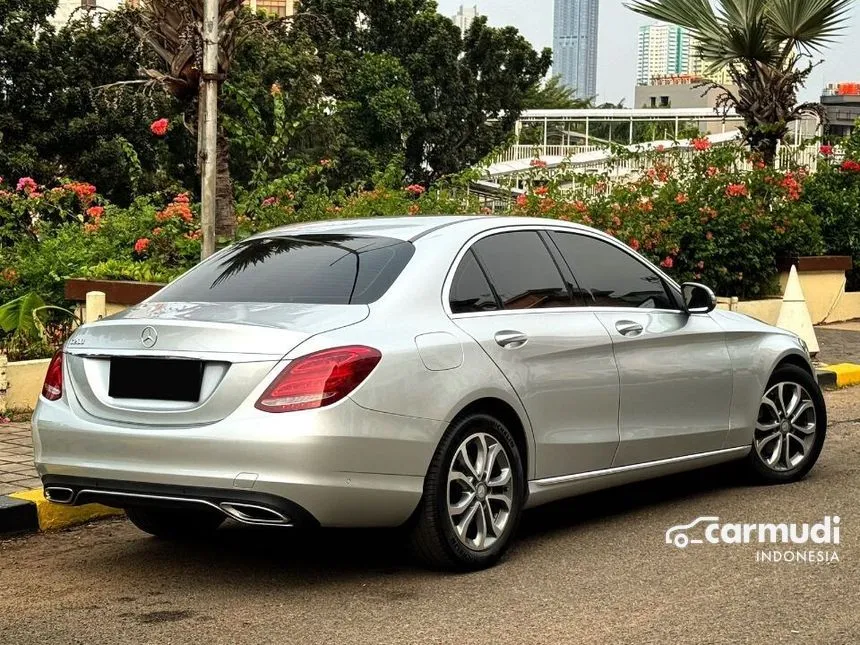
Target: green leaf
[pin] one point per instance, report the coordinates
(19, 315)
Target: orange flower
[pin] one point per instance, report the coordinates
(681, 198)
(414, 209)
(95, 212)
(701, 144)
(736, 190)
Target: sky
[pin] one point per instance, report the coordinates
(616, 69)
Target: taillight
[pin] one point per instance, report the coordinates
(53, 387)
(319, 379)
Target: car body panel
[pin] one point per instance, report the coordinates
(673, 402)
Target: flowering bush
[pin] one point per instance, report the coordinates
(160, 127)
(700, 217)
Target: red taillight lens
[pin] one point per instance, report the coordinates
(53, 387)
(319, 379)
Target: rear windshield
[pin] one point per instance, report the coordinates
(313, 269)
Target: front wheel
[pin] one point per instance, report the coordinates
(172, 524)
(790, 428)
(473, 496)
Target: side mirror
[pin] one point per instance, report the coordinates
(698, 299)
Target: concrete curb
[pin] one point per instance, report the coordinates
(840, 375)
(28, 511)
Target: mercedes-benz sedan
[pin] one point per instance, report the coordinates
(442, 373)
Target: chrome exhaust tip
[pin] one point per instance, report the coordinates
(59, 494)
(254, 514)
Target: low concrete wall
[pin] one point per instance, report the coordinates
(24, 383)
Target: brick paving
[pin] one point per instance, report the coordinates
(839, 344)
(16, 459)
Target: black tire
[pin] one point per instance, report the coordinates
(433, 535)
(172, 524)
(757, 467)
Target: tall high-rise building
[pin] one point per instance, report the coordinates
(664, 50)
(465, 17)
(574, 45)
(667, 51)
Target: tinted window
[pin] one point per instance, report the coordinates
(470, 291)
(609, 277)
(314, 269)
(522, 271)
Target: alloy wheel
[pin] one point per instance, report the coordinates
(480, 491)
(786, 427)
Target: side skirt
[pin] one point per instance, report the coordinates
(543, 491)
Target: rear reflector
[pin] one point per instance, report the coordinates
(53, 387)
(319, 379)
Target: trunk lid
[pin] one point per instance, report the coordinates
(227, 349)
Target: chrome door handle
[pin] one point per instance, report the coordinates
(511, 339)
(628, 328)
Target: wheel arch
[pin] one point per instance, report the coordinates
(504, 412)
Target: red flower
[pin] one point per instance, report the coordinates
(522, 201)
(668, 263)
(416, 190)
(84, 191)
(541, 190)
(701, 144)
(633, 244)
(849, 165)
(182, 198)
(538, 163)
(26, 185)
(826, 150)
(160, 127)
(95, 212)
(141, 246)
(736, 190)
(681, 198)
(269, 201)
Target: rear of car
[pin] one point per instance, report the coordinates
(189, 400)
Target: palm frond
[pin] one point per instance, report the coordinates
(807, 24)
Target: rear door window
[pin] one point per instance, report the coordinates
(610, 277)
(522, 271)
(312, 269)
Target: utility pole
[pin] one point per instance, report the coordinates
(208, 129)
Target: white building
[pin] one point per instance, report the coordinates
(465, 17)
(66, 8)
(664, 50)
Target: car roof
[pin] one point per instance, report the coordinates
(408, 228)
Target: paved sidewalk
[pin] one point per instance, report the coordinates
(840, 343)
(16, 459)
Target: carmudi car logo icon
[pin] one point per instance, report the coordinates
(677, 535)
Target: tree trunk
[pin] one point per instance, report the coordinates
(225, 214)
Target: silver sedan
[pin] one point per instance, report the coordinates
(442, 373)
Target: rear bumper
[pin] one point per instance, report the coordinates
(247, 506)
(342, 466)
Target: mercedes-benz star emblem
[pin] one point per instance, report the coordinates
(148, 337)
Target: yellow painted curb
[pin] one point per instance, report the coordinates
(57, 516)
(846, 374)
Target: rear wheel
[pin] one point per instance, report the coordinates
(790, 428)
(171, 524)
(473, 496)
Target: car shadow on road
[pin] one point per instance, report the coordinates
(243, 555)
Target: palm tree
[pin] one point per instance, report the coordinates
(763, 44)
(173, 30)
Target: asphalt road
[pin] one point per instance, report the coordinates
(588, 570)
